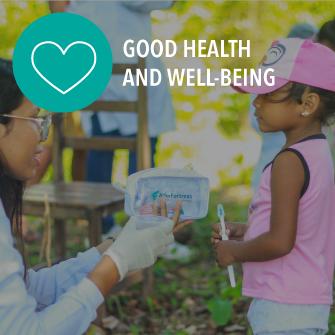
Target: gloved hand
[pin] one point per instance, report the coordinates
(138, 248)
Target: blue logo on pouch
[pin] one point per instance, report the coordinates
(155, 195)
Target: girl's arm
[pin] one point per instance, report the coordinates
(287, 179)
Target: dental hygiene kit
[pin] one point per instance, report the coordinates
(147, 187)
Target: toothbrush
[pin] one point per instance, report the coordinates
(220, 213)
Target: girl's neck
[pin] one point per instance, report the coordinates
(295, 135)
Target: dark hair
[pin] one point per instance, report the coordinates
(11, 189)
(327, 100)
(327, 33)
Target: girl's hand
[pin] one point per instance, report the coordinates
(234, 231)
(161, 210)
(223, 253)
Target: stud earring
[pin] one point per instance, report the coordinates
(305, 113)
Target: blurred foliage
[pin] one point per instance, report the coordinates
(230, 118)
(236, 174)
(15, 16)
(332, 323)
(221, 311)
(259, 21)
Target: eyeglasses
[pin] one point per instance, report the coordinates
(43, 123)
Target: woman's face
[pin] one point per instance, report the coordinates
(20, 143)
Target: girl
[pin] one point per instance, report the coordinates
(288, 249)
(62, 299)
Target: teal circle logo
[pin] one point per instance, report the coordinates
(62, 62)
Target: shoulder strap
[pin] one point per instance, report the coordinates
(304, 165)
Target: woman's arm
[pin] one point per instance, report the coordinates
(76, 308)
(287, 179)
(48, 284)
(72, 313)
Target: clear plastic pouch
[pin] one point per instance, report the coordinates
(146, 187)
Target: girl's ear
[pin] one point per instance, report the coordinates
(310, 103)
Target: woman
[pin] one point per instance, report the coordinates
(62, 299)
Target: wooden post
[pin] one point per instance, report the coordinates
(58, 176)
(143, 153)
(94, 236)
(143, 147)
(57, 147)
(60, 238)
(94, 227)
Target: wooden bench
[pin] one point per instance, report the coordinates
(74, 200)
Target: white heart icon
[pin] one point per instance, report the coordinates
(64, 51)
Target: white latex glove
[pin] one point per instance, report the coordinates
(138, 248)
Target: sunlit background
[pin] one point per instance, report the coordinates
(213, 131)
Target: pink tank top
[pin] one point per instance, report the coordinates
(305, 275)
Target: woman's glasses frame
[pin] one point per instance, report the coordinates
(43, 123)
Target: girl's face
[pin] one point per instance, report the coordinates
(20, 142)
(273, 115)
